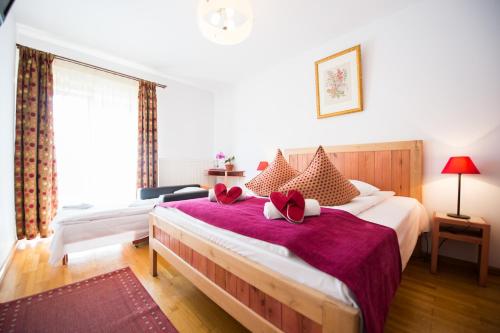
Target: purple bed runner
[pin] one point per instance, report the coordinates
(363, 255)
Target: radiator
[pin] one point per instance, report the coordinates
(178, 172)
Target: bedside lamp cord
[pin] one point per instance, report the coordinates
(442, 242)
(454, 232)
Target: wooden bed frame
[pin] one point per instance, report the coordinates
(259, 298)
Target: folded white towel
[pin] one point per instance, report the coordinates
(211, 196)
(272, 213)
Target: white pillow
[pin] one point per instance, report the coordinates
(364, 189)
(189, 189)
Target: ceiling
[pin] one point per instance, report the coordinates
(164, 35)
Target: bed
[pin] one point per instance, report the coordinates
(88, 227)
(254, 281)
(76, 230)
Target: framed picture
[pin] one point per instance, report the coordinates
(338, 83)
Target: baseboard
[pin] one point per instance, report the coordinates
(491, 269)
(420, 252)
(459, 262)
(494, 270)
(7, 263)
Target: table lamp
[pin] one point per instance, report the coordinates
(460, 165)
(262, 165)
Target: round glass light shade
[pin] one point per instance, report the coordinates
(225, 22)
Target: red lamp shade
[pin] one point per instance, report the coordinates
(460, 164)
(262, 165)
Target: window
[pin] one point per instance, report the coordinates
(95, 128)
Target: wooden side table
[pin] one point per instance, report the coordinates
(474, 230)
(224, 173)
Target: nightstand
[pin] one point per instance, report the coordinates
(224, 173)
(474, 230)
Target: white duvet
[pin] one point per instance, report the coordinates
(74, 216)
(356, 206)
(405, 215)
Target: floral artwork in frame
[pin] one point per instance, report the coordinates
(338, 83)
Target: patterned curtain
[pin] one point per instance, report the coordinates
(147, 159)
(35, 164)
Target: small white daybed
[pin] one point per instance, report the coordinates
(86, 228)
(79, 230)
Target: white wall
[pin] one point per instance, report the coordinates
(7, 123)
(430, 72)
(185, 134)
(185, 112)
(225, 121)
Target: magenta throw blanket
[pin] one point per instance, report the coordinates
(363, 255)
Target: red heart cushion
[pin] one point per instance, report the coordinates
(226, 197)
(291, 205)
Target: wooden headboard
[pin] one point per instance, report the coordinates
(390, 166)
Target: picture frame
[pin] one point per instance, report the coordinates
(339, 83)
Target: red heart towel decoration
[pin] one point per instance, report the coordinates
(226, 197)
(291, 206)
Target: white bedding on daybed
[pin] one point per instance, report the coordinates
(79, 230)
(405, 215)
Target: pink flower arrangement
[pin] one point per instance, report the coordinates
(220, 155)
(336, 83)
(340, 75)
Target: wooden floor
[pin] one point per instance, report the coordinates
(450, 301)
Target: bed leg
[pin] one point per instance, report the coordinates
(153, 262)
(65, 260)
(153, 255)
(140, 241)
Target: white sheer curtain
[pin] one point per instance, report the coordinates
(95, 128)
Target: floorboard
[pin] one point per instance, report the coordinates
(449, 301)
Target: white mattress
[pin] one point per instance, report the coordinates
(405, 215)
(80, 230)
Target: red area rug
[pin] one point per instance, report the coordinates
(113, 302)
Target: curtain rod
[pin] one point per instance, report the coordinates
(81, 63)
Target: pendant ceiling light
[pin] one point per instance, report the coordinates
(225, 22)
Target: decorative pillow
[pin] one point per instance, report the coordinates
(364, 189)
(275, 175)
(189, 190)
(323, 182)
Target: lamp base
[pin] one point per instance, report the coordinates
(459, 216)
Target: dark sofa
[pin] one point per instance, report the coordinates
(166, 193)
